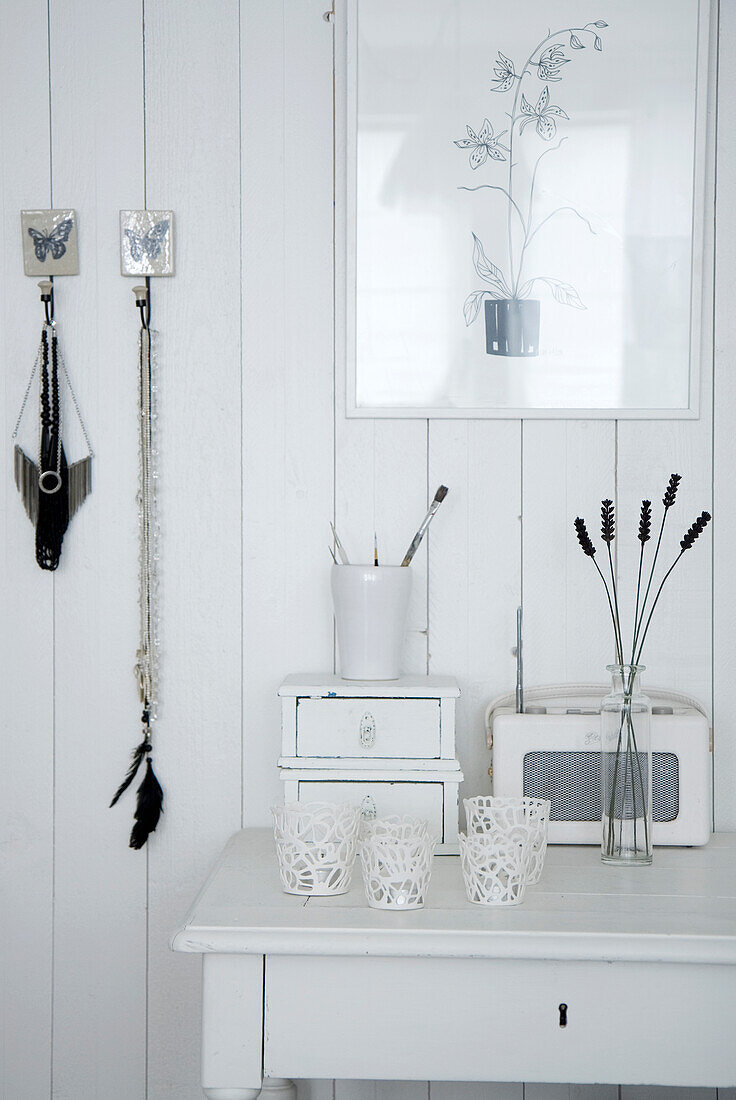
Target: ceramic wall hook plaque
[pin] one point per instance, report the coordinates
(146, 242)
(49, 242)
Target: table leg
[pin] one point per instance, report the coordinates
(232, 1027)
(278, 1088)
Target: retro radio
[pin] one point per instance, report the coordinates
(552, 750)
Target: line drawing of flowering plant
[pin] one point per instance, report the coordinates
(545, 63)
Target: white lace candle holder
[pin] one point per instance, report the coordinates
(393, 827)
(316, 844)
(486, 812)
(397, 869)
(494, 868)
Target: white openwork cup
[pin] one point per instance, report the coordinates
(494, 868)
(316, 844)
(486, 813)
(393, 827)
(397, 863)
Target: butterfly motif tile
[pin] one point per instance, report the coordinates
(49, 242)
(146, 242)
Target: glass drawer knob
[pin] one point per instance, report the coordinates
(368, 808)
(367, 731)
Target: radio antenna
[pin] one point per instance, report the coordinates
(519, 665)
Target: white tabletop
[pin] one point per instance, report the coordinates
(681, 909)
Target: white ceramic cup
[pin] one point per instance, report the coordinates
(370, 603)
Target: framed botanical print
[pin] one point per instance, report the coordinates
(526, 200)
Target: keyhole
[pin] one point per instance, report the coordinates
(563, 1014)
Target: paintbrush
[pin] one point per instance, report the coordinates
(344, 560)
(439, 496)
(375, 548)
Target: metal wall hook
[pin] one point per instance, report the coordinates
(46, 287)
(143, 301)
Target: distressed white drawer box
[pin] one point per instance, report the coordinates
(431, 796)
(368, 727)
(386, 745)
(325, 716)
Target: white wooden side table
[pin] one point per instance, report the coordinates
(386, 744)
(642, 959)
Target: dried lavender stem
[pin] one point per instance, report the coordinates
(637, 625)
(638, 593)
(610, 605)
(656, 598)
(617, 620)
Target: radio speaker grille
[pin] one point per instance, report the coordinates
(572, 783)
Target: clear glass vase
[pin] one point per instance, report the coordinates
(626, 770)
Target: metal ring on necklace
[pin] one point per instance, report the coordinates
(56, 484)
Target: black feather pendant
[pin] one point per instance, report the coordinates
(137, 757)
(149, 809)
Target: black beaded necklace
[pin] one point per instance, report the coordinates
(51, 490)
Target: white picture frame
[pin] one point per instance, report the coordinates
(379, 147)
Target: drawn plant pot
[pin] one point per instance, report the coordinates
(512, 326)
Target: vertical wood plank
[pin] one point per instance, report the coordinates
(381, 482)
(570, 1092)
(100, 885)
(26, 594)
(381, 1090)
(193, 168)
(474, 1090)
(475, 574)
(666, 1092)
(568, 467)
(287, 368)
(724, 449)
(315, 1090)
(678, 648)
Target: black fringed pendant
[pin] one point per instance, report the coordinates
(51, 491)
(150, 795)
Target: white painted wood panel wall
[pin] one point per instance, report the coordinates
(223, 111)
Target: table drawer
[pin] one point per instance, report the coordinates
(365, 728)
(381, 797)
(673, 1023)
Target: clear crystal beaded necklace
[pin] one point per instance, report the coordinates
(150, 795)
